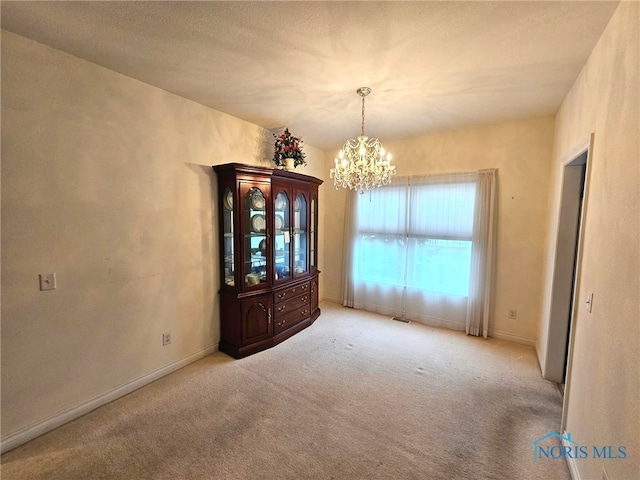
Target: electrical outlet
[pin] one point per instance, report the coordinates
(166, 339)
(513, 314)
(47, 281)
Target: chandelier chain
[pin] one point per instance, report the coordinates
(362, 127)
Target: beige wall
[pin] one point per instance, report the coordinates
(603, 403)
(107, 182)
(522, 153)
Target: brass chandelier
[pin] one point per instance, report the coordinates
(362, 163)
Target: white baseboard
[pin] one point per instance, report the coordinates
(449, 325)
(571, 462)
(541, 360)
(331, 299)
(512, 338)
(15, 439)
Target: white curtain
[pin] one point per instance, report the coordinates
(482, 256)
(379, 249)
(440, 230)
(411, 249)
(349, 239)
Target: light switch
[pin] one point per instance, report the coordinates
(47, 281)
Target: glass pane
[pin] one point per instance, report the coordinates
(282, 235)
(442, 210)
(300, 234)
(312, 232)
(255, 237)
(381, 258)
(227, 235)
(439, 265)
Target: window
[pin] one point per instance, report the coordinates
(423, 248)
(417, 234)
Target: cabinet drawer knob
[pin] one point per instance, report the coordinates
(303, 299)
(281, 295)
(304, 287)
(282, 308)
(303, 313)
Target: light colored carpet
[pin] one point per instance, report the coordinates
(354, 396)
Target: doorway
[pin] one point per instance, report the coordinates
(566, 267)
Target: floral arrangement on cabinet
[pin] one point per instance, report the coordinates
(288, 147)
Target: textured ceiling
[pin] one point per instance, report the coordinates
(433, 66)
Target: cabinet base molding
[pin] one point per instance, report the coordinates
(241, 352)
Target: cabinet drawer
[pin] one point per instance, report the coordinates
(285, 308)
(285, 295)
(293, 317)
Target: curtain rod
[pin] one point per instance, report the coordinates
(440, 174)
(446, 173)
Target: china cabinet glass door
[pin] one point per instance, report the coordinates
(228, 245)
(282, 236)
(301, 264)
(312, 234)
(255, 237)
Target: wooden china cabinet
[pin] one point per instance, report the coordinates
(268, 227)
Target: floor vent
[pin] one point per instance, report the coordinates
(401, 319)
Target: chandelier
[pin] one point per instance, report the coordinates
(362, 163)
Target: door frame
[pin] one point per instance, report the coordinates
(584, 150)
